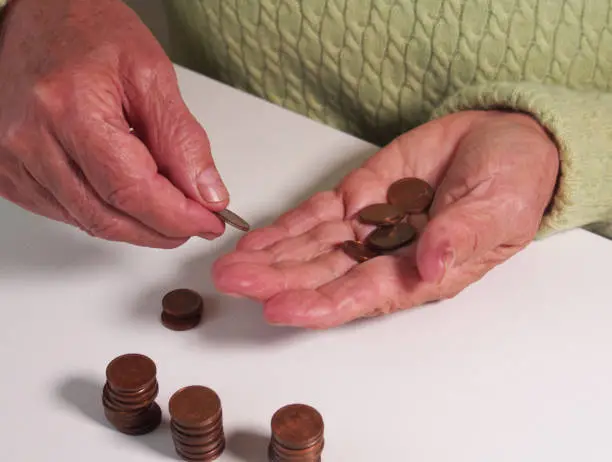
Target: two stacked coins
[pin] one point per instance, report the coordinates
(407, 198)
(197, 424)
(129, 394)
(297, 434)
(182, 309)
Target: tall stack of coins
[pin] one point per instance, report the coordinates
(297, 434)
(182, 309)
(408, 201)
(129, 394)
(197, 423)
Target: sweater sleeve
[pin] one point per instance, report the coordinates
(3, 3)
(581, 125)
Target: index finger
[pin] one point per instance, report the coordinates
(122, 171)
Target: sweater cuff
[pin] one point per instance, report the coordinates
(581, 125)
(3, 3)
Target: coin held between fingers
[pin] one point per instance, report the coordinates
(232, 219)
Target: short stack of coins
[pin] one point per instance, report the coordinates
(129, 394)
(297, 434)
(197, 423)
(396, 221)
(182, 309)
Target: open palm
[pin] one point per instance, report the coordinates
(494, 174)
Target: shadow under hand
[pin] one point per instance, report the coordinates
(248, 446)
(84, 396)
(32, 243)
(229, 321)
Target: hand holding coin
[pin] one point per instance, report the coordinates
(484, 179)
(94, 131)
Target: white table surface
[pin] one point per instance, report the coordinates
(516, 368)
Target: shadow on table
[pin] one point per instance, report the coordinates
(231, 321)
(248, 446)
(83, 395)
(31, 243)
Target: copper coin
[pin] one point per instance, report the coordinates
(200, 441)
(232, 219)
(180, 324)
(202, 432)
(130, 372)
(145, 423)
(391, 238)
(194, 406)
(297, 426)
(411, 195)
(200, 448)
(357, 251)
(114, 401)
(205, 457)
(182, 303)
(380, 214)
(418, 221)
(279, 454)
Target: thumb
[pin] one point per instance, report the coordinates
(176, 140)
(466, 229)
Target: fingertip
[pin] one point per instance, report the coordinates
(246, 279)
(434, 257)
(300, 308)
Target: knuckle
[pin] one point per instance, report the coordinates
(151, 71)
(123, 197)
(103, 228)
(9, 139)
(48, 94)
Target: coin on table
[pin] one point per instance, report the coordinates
(357, 251)
(182, 303)
(297, 426)
(391, 237)
(411, 195)
(194, 406)
(381, 214)
(131, 372)
(182, 309)
(232, 219)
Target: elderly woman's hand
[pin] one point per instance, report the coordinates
(75, 77)
(494, 174)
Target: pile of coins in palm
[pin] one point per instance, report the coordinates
(406, 198)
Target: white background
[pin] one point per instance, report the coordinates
(516, 368)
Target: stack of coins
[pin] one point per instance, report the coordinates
(182, 309)
(297, 434)
(197, 423)
(396, 221)
(129, 394)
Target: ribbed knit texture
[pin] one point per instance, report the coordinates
(376, 68)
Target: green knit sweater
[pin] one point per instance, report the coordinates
(376, 68)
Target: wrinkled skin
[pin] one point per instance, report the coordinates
(76, 76)
(494, 172)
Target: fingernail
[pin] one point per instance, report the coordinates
(211, 186)
(233, 295)
(209, 236)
